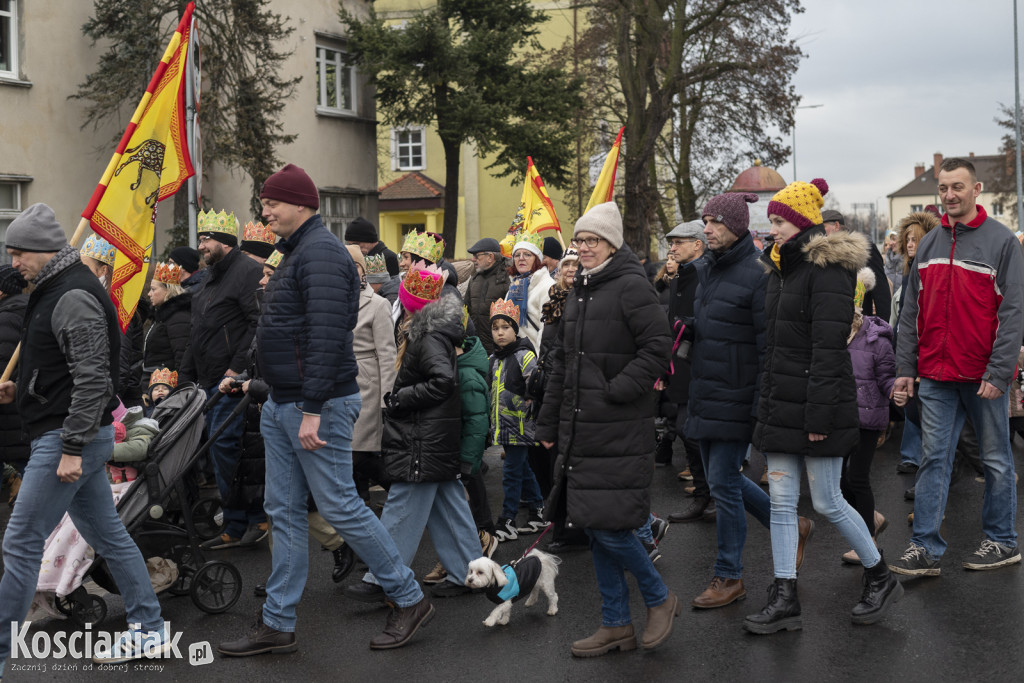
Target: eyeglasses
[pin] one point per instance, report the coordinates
(591, 242)
(679, 241)
(522, 256)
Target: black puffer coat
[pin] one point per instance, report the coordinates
(727, 353)
(484, 289)
(612, 346)
(808, 385)
(422, 436)
(682, 294)
(14, 446)
(168, 334)
(131, 356)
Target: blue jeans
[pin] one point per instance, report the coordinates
(224, 454)
(441, 507)
(42, 502)
(910, 446)
(943, 408)
(614, 552)
(292, 474)
(518, 481)
(823, 476)
(733, 493)
(644, 532)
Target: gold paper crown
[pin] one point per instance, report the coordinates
(427, 245)
(223, 222)
(505, 307)
(425, 282)
(99, 249)
(274, 260)
(533, 238)
(164, 376)
(257, 232)
(168, 273)
(375, 265)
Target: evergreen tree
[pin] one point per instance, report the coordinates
(243, 92)
(464, 66)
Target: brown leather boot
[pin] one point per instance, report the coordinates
(659, 622)
(402, 624)
(605, 640)
(261, 639)
(719, 593)
(805, 528)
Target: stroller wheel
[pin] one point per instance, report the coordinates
(207, 518)
(216, 587)
(92, 610)
(64, 604)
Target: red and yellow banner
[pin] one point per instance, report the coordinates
(538, 211)
(150, 164)
(604, 190)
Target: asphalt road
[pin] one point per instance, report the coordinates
(962, 625)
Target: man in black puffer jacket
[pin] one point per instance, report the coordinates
(304, 350)
(224, 315)
(14, 447)
(726, 362)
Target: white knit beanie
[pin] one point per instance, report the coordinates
(605, 221)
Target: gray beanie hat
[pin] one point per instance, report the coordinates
(36, 229)
(605, 221)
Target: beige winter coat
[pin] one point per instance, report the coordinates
(373, 342)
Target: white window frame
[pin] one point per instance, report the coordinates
(396, 146)
(12, 40)
(322, 106)
(8, 214)
(998, 209)
(332, 221)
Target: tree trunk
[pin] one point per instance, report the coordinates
(452, 159)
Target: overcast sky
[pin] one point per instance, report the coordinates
(899, 81)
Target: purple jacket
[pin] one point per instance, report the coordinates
(874, 367)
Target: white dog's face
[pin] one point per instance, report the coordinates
(484, 572)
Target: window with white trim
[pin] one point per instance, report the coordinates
(335, 81)
(914, 208)
(997, 208)
(10, 207)
(408, 149)
(338, 209)
(9, 38)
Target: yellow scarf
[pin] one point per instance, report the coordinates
(777, 256)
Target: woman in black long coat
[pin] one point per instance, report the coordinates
(807, 411)
(172, 314)
(612, 346)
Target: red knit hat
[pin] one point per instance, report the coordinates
(291, 185)
(730, 209)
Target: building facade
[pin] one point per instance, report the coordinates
(45, 155)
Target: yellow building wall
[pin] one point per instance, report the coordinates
(486, 204)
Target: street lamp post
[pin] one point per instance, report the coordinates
(806, 106)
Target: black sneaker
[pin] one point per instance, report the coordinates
(652, 551)
(449, 589)
(505, 530)
(534, 522)
(910, 493)
(992, 555)
(364, 591)
(915, 562)
(906, 468)
(658, 528)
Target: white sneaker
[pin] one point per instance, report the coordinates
(133, 644)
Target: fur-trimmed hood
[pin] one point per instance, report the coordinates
(443, 315)
(847, 249)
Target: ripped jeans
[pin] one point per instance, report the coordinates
(823, 475)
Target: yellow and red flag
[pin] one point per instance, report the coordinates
(150, 164)
(538, 211)
(604, 190)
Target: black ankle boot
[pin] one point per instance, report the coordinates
(781, 612)
(881, 590)
(344, 561)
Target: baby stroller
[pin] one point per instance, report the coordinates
(165, 515)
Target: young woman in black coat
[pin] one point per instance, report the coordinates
(807, 412)
(172, 314)
(612, 346)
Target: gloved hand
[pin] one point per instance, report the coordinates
(391, 403)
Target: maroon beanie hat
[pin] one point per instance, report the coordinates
(291, 185)
(731, 209)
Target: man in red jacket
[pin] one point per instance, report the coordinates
(960, 332)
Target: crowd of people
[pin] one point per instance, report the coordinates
(364, 368)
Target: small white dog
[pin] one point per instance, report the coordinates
(532, 575)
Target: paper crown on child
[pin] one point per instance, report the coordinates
(99, 249)
(168, 273)
(224, 223)
(257, 232)
(164, 376)
(274, 260)
(507, 309)
(376, 269)
(426, 245)
(422, 285)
